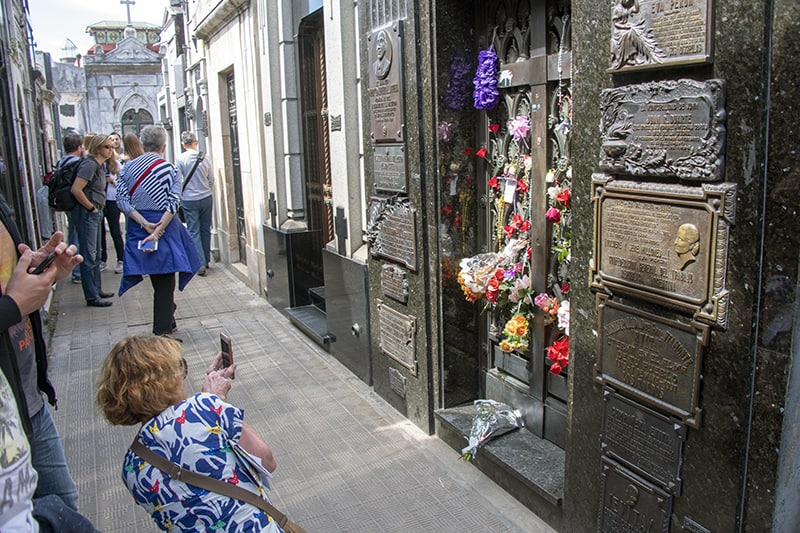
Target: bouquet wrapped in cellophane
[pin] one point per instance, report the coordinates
(492, 419)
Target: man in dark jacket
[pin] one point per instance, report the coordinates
(23, 354)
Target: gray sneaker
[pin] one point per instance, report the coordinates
(118, 268)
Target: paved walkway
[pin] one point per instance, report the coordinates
(347, 461)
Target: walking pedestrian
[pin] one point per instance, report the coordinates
(156, 244)
(198, 183)
(91, 179)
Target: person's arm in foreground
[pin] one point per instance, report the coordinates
(217, 382)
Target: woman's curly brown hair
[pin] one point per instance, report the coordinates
(140, 377)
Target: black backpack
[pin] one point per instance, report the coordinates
(60, 196)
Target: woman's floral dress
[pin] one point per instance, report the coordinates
(200, 434)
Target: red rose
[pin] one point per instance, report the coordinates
(499, 275)
(457, 221)
(553, 215)
(564, 197)
(565, 288)
(492, 289)
(522, 187)
(468, 151)
(494, 128)
(481, 152)
(447, 210)
(555, 368)
(494, 183)
(525, 226)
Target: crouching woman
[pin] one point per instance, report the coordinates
(142, 382)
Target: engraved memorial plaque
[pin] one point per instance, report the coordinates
(665, 243)
(643, 440)
(655, 360)
(660, 33)
(671, 129)
(394, 283)
(631, 504)
(390, 168)
(391, 231)
(385, 90)
(397, 382)
(398, 336)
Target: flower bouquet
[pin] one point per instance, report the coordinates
(491, 420)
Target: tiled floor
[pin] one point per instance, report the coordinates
(347, 461)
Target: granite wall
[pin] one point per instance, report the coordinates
(730, 463)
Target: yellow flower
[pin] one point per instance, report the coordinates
(506, 346)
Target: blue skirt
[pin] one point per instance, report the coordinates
(176, 253)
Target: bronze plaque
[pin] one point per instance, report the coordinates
(391, 231)
(664, 243)
(390, 168)
(645, 441)
(397, 336)
(660, 33)
(655, 360)
(394, 283)
(385, 90)
(631, 504)
(397, 382)
(671, 129)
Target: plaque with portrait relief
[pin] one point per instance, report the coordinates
(664, 243)
(385, 83)
(630, 503)
(648, 34)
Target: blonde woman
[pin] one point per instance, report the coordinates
(142, 382)
(89, 189)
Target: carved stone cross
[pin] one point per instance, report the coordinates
(128, 4)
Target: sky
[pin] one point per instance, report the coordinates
(54, 21)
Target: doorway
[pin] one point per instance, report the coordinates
(236, 167)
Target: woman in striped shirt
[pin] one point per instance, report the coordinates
(149, 193)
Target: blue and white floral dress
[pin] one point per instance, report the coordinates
(201, 434)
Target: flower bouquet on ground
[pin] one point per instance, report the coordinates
(492, 419)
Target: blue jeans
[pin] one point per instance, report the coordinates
(74, 218)
(198, 222)
(54, 516)
(89, 248)
(47, 457)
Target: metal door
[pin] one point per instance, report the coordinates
(316, 148)
(238, 196)
(531, 40)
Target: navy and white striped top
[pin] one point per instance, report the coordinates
(159, 191)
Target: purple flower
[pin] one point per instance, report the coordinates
(456, 94)
(486, 94)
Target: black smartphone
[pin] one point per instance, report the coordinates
(44, 264)
(226, 347)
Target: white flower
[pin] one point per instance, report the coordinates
(551, 176)
(563, 316)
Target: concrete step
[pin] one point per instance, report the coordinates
(312, 321)
(529, 468)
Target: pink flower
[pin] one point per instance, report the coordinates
(542, 301)
(445, 130)
(553, 215)
(519, 127)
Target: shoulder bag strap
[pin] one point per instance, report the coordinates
(174, 471)
(199, 158)
(144, 175)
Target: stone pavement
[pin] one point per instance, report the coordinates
(347, 461)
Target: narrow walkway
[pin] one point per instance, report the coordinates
(347, 461)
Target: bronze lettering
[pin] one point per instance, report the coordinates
(397, 336)
(630, 504)
(656, 360)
